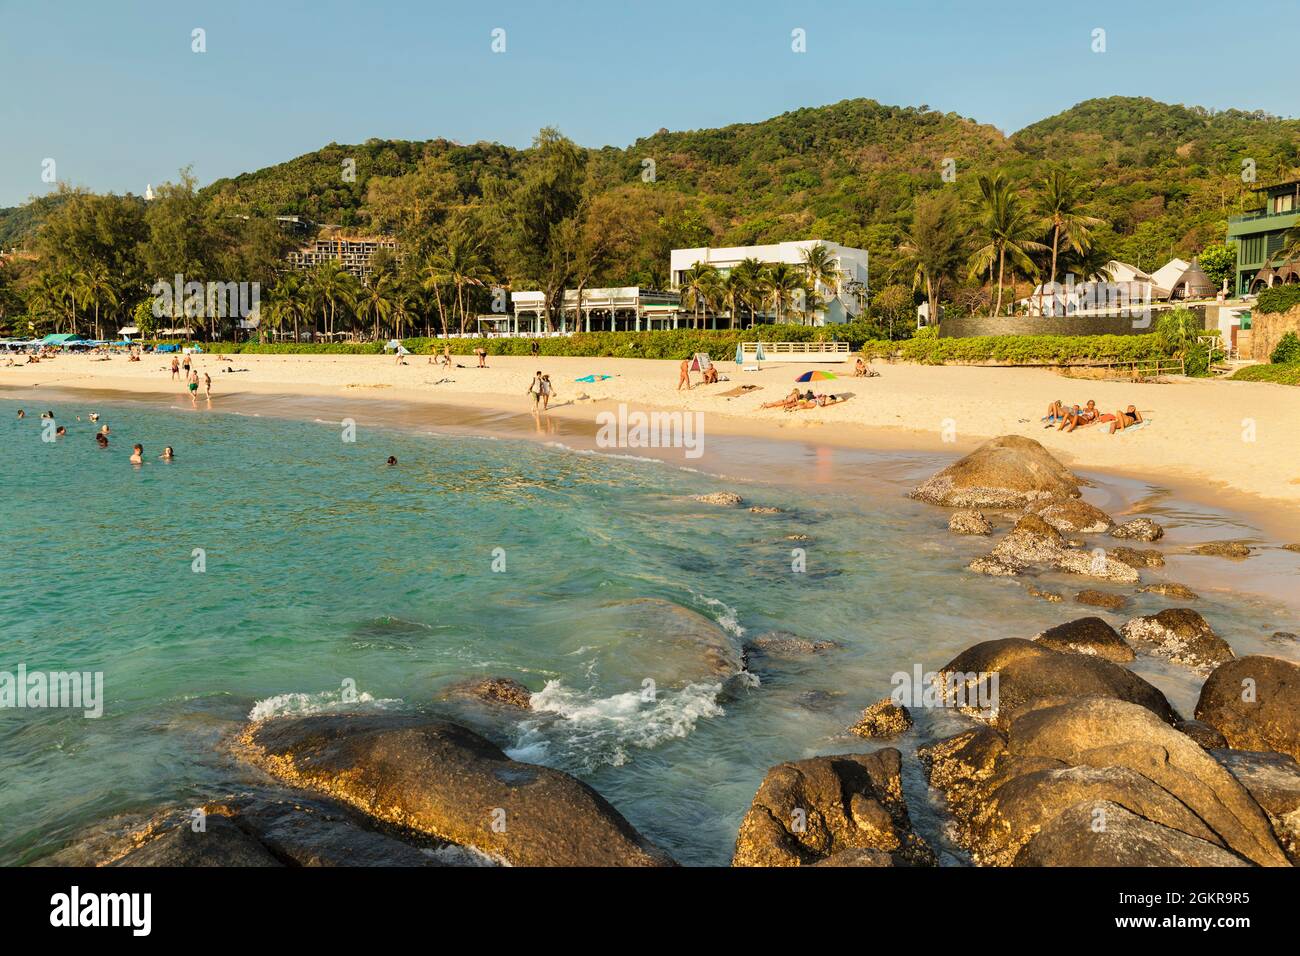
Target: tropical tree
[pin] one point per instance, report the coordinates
(1005, 227)
(750, 272)
(375, 300)
(1059, 203)
(332, 286)
(779, 282)
(734, 291)
(289, 301)
(934, 247)
(700, 284)
(459, 265)
(98, 290)
(821, 266)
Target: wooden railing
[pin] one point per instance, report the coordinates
(798, 351)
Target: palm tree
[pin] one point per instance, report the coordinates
(934, 247)
(46, 295)
(1059, 204)
(699, 286)
(751, 272)
(331, 286)
(1291, 244)
(1006, 227)
(779, 283)
(98, 290)
(822, 268)
(376, 300)
(459, 264)
(735, 289)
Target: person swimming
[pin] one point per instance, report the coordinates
(168, 454)
(392, 460)
(60, 431)
(101, 439)
(21, 413)
(137, 454)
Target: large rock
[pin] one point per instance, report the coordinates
(1254, 702)
(1096, 564)
(1005, 472)
(1087, 635)
(1273, 779)
(883, 720)
(1113, 733)
(221, 843)
(968, 521)
(1138, 529)
(1103, 833)
(811, 811)
(1029, 674)
(443, 781)
(1181, 635)
(1074, 516)
(1031, 541)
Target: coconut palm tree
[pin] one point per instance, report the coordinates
(1059, 202)
(700, 285)
(98, 290)
(779, 282)
(332, 286)
(375, 300)
(934, 247)
(734, 291)
(751, 272)
(1005, 227)
(821, 266)
(458, 265)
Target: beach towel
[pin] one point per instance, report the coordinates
(1132, 428)
(593, 378)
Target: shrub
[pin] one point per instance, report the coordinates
(1280, 298)
(1287, 350)
(1281, 374)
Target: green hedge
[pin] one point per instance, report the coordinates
(926, 347)
(1282, 374)
(1280, 298)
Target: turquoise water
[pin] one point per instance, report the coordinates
(324, 566)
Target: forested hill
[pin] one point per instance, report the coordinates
(1165, 177)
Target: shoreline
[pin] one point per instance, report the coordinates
(1268, 496)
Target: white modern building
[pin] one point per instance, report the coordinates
(842, 301)
(624, 309)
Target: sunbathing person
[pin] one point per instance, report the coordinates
(1055, 413)
(711, 375)
(1079, 416)
(787, 402)
(1125, 419)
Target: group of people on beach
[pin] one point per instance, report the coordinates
(797, 400)
(541, 390)
(102, 436)
(1069, 417)
(191, 378)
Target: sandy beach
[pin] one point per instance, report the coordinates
(1232, 444)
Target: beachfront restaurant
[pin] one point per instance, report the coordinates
(625, 309)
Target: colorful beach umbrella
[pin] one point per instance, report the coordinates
(817, 376)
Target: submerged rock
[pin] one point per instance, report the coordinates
(1254, 702)
(1104, 599)
(500, 691)
(967, 521)
(1096, 564)
(783, 644)
(1138, 529)
(812, 811)
(1138, 557)
(1074, 516)
(1087, 635)
(1181, 635)
(1002, 473)
(1179, 592)
(727, 499)
(1050, 596)
(764, 510)
(883, 720)
(1236, 550)
(654, 638)
(442, 781)
(1028, 674)
(993, 567)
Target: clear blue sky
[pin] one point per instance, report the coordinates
(112, 92)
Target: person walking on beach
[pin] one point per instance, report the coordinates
(481, 352)
(207, 387)
(176, 368)
(685, 376)
(535, 389)
(547, 391)
(193, 379)
(534, 349)
(185, 366)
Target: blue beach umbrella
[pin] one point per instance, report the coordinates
(759, 356)
(740, 354)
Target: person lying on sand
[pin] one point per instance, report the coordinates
(1056, 412)
(1125, 419)
(229, 369)
(1079, 416)
(787, 402)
